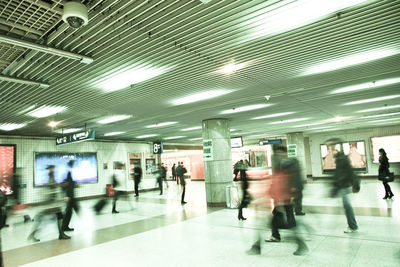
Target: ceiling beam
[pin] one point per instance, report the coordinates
(23, 81)
(45, 49)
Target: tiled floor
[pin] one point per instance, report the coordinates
(156, 230)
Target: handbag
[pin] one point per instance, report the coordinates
(389, 177)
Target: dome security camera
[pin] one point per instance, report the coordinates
(75, 14)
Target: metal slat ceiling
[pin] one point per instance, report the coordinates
(197, 40)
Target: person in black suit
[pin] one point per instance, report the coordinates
(69, 186)
(384, 172)
(181, 174)
(137, 176)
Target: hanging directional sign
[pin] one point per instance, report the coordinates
(271, 142)
(75, 137)
(157, 147)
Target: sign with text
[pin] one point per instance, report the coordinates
(75, 137)
(208, 149)
(292, 150)
(270, 142)
(157, 147)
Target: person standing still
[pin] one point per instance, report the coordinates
(137, 177)
(177, 171)
(181, 174)
(384, 172)
(173, 170)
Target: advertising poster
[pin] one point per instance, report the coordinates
(150, 166)
(356, 154)
(391, 145)
(84, 170)
(7, 165)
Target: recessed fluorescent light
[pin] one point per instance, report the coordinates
(320, 128)
(289, 121)
(113, 133)
(366, 86)
(194, 139)
(114, 119)
(200, 96)
(273, 115)
(192, 128)
(70, 130)
(245, 108)
(308, 125)
(54, 123)
(390, 119)
(388, 122)
(147, 136)
(162, 124)
(378, 109)
(174, 137)
(231, 67)
(129, 76)
(287, 15)
(339, 119)
(232, 130)
(45, 111)
(381, 115)
(375, 99)
(350, 60)
(11, 126)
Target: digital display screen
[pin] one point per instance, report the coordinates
(391, 145)
(236, 142)
(7, 167)
(83, 171)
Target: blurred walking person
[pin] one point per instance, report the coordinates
(384, 172)
(345, 182)
(52, 208)
(116, 183)
(70, 195)
(173, 170)
(164, 174)
(180, 171)
(245, 186)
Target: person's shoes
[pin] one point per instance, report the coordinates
(350, 231)
(6, 225)
(242, 218)
(255, 250)
(273, 239)
(183, 202)
(300, 213)
(33, 238)
(115, 211)
(64, 236)
(69, 229)
(391, 196)
(385, 197)
(27, 219)
(136, 195)
(301, 251)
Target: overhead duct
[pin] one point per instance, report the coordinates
(45, 49)
(23, 81)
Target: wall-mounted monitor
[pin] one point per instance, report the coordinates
(83, 171)
(7, 167)
(391, 145)
(236, 142)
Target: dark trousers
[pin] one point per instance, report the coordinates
(278, 220)
(137, 181)
(388, 190)
(298, 202)
(115, 198)
(71, 204)
(183, 192)
(160, 185)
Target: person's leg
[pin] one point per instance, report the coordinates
(386, 185)
(298, 203)
(275, 222)
(160, 185)
(291, 221)
(59, 218)
(67, 217)
(114, 208)
(136, 187)
(351, 220)
(37, 221)
(183, 194)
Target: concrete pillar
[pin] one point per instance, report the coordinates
(295, 144)
(217, 159)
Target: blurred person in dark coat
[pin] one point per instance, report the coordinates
(242, 166)
(173, 170)
(384, 172)
(137, 177)
(52, 206)
(69, 186)
(345, 182)
(180, 171)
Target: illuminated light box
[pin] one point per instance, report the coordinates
(83, 171)
(391, 145)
